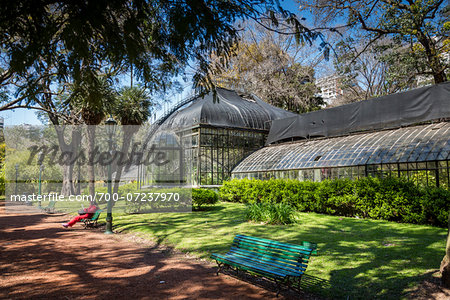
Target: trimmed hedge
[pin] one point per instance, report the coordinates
(393, 199)
(202, 197)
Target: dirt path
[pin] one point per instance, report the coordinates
(40, 259)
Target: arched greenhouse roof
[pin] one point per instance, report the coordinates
(228, 109)
(409, 144)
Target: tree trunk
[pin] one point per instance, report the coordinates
(67, 184)
(128, 132)
(90, 167)
(70, 153)
(439, 77)
(432, 57)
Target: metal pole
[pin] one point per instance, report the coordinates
(141, 181)
(17, 175)
(40, 184)
(109, 206)
(79, 178)
(138, 180)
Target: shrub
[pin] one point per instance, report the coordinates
(123, 190)
(277, 213)
(130, 187)
(393, 199)
(155, 202)
(202, 197)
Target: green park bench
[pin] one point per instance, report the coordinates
(281, 262)
(92, 222)
(50, 208)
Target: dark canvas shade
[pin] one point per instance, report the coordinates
(227, 110)
(392, 111)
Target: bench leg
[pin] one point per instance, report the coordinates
(278, 287)
(298, 284)
(220, 265)
(291, 283)
(287, 282)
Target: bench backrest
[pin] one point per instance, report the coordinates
(96, 215)
(294, 257)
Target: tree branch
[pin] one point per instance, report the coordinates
(8, 105)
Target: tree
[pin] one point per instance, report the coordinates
(271, 66)
(47, 47)
(155, 38)
(420, 26)
(133, 108)
(49, 97)
(373, 73)
(94, 98)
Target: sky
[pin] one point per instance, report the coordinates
(27, 116)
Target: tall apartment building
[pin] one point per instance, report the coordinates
(329, 87)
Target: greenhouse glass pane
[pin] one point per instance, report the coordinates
(317, 175)
(420, 143)
(412, 166)
(431, 165)
(420, 177)
(444, 178)
(326, 173)
(404, 174)
(394, 170)
(421, 166)
(334, 173)
(308, 175)
(347, 172)
(301, 176)
(431, 178)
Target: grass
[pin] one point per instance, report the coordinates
(72, 207)
(358, 258)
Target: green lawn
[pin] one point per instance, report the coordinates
(358, 258)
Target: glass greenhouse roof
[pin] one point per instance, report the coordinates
(409, 144)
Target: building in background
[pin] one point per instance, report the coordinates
(330, 88)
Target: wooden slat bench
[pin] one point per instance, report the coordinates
(284, 263)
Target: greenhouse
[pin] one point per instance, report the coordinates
(401, 135)
(216, 132)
